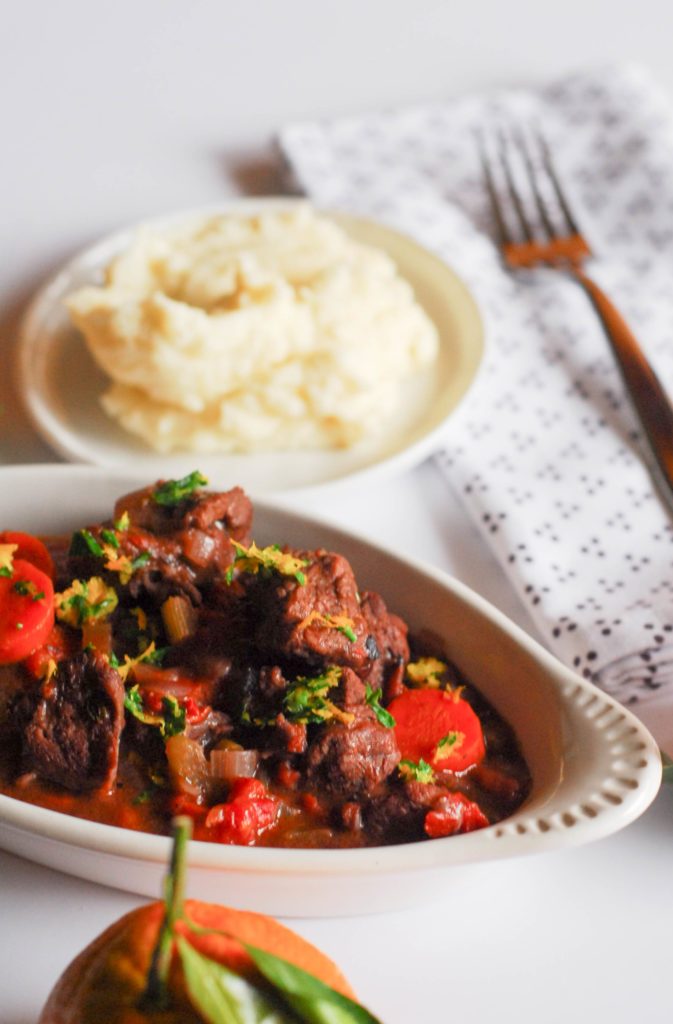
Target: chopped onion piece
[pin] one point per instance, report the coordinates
(187, 766)
(233, 764)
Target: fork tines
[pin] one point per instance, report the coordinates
(521, 178)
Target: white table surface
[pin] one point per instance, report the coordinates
(113, 112)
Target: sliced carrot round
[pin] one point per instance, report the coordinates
(29, 549)
(26, 611)
(439, 727)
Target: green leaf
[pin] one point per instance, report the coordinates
(140, 560)
(175, 717)
(667, 765)
(306, 699)
(312, 999)
(413, 772)
(84, 543)
(173, 491)
(173, 720)
(222, 997)
(373, 699)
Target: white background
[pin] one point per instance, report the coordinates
(117, 111)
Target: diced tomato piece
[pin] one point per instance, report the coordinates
(248, 813)
(153, 701)
(454, 813)
(195, 712)
(59, 644)
(26, 611)
(439, 727)
(29, 549)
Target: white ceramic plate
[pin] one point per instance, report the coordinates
(594, 766)
(61, 384)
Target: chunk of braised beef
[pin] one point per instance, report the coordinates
(348, 760)
(232, 509)
(200, 510)
(295, 620)
(186, 546)
(390, 635)
(161, 579)
(72, 724)
(399, 812)
(351, 692)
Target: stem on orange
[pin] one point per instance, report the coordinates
(155, 995)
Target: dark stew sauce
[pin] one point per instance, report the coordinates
(258, 690)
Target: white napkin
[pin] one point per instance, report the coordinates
(545, 450)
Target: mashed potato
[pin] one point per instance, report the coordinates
(241, 333)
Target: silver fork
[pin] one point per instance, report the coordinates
(546, 234)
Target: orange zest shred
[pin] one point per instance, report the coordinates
(426, 672)
(7, 558)
(341, 622)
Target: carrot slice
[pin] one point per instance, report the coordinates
(26, 611)
(29, 549)
(439, 727)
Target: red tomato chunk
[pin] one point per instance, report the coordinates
(247, 814)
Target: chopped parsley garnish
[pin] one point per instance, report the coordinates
(307, 701)
(173, 491)
(373, 699)
(156, 656)
(124, 565)
(171, 722)
(85, 600)
(416, 772)
(267, 560)
(28, 589)
(122, 524)
(110, 537)
(84, 543)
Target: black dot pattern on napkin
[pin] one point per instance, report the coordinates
(545, 452)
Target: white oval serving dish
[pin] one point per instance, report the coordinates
(594, 765)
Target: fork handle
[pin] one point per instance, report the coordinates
(649, 398)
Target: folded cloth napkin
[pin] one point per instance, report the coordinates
(545, 450)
